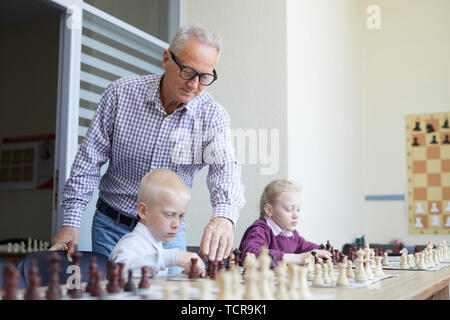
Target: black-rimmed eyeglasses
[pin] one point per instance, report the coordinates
(188, 73)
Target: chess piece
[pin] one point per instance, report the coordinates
(230, 264)
(130, 286)
(448, 207)
(113, 284)
(367, 265)
(378, 267)
(419, 208)
(92, 273)
(415, 143)
(325, 275)
(303, 289)
(249, 262)
(434, 141)
(447, 223)
(32, 292)
(121, 275)
(411, 262)
(220, 265)
(266, 274)
(54, 288)
(281, 292)
(421, 265)
(144, 283)
(10, 282)
(342, 280)
(418, 224)
(251, 284)
(434, 207)
(318, 279)
(330, 271)
(293, 282)
(350, 274)
(96, 289)
(417, 127)
(446, 141)
(22, 247)
(76, 291)
(360, 272)
(213, 266)
(236, 282)
(430, 128)
(445, 125)
(194, 272)
(237, 257)
(385, 261)
(29, 247)
(225, 286)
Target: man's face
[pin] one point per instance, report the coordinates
(164, 217)
(196, 55)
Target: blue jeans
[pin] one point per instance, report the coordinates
(106, 232)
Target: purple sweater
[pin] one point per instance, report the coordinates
(259, 234)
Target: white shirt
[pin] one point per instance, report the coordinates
(276, 229)
(139, 249)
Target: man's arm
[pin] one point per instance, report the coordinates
(94, 151)
(226, 191)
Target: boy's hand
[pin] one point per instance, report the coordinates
(321, 254)
(184, 261)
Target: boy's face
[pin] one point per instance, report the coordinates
(285, 211)
(164, 217)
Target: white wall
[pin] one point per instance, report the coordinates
(405, 69)
(251, 87)
(324, 117)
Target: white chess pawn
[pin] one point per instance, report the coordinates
(225, 286)
(385, 259)
(266, 285)
(325, 275)
(368, 270)
(281, 292)
(421, 264)
(436, 257)
(350, 273)
(447, 223)
(35, 245)
(251, 284)
(236, 282)
(30, 247)
(378, 268)
(342, 280)
(318, 279)
(448, 207)
(419, 208)
(293, 281)
(330, 271)
(303, 289)
(418, 224)
(431, 258)
(10, 247)
(360, 272)
(372, 258)
(404, 262)
(434, 207)
(425, 258)
(411, 262)
(435, 222)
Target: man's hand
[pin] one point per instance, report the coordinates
(66, 240)
(217, 240)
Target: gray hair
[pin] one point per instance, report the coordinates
(197, 32)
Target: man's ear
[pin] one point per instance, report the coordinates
(165, 59)
(142, 209)
(268, 210)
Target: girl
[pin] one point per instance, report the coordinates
(275, 229)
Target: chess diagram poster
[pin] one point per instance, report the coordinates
(428, 167)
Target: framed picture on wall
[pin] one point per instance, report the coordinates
(27, 162)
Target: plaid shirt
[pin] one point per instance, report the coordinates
(132, 130)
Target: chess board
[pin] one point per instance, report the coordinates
(428, 171)
(394, 264)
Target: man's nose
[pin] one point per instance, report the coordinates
(193, 83)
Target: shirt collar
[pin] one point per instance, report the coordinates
(155, 98)
(142, 229)
(277, 230)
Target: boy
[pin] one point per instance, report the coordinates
(163, 198)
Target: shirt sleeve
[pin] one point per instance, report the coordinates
(94, 151)
(305, 246)
(127, 251)
(224, 174)
(256, 237)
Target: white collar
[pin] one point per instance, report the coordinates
(276, 229)
(142, 230)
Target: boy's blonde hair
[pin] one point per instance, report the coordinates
(272, 191)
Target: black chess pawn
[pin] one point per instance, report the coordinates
(97, 290)
(415, 143)
(434, 141)
(54, 291)
(430, 128)
(10, 276)
(445, 126)
(144, 283)
(92, 274)
(446, 141)
(417, 128)
(130, 286)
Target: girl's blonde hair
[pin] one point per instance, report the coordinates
(272, 191)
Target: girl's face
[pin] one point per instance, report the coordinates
(285, 210)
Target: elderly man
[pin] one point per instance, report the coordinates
(157, 121)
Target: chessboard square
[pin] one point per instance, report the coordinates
(446, 220)
(420, 222)
(446, 207)
(445, 138)
(434, 221)
(433, 140)
(445, 152)
(419, 153)
(434, 207)
(433, 153)
(420, 194)
(432, 125)
(434, 179)
(420, 207)
(446, 165)
(420, 180)
(446, 179)
(434, 193)
(446, 193)
(418, 140)
(419, 166)
(434, 166)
